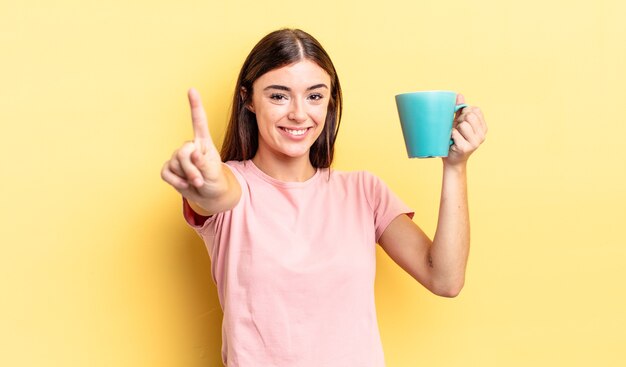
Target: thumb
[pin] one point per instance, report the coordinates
(198, 158)
(209, 166)
(460, 99)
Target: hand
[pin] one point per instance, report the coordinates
(468, 133)
(195, 169)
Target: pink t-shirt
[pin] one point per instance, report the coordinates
(294, 264)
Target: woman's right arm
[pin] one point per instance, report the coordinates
(196, 170)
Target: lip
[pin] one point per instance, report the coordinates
(295, 137)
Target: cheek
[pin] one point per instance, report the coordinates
(319, 115)
(268, 118)
(274, 114)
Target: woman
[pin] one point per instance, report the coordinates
(292, 242)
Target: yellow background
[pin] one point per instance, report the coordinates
(98, 268)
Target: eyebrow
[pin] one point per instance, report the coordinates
(282, 87)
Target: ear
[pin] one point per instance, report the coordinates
(243, 92)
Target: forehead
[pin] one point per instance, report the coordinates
(303, 73)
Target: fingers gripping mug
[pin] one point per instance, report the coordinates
(426, 119)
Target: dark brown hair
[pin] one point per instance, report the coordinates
(278, 49)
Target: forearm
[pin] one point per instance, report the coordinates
(450, 249)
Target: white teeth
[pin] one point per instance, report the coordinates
(295, 132)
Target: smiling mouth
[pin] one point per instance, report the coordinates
(295, 132)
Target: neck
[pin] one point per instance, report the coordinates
(285, 169)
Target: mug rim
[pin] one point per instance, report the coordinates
(427, 92)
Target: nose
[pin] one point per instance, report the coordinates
(297, 112)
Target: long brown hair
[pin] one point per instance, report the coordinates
(278, 49)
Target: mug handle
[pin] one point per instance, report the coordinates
(456, 108)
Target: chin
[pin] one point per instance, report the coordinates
(296, 154)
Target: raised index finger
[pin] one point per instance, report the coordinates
(198, 117)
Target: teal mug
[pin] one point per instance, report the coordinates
(426, 119)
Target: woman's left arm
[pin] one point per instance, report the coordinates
(440, 264)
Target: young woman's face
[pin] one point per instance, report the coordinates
(290, 104)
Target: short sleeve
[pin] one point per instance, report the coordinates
(201, 223)
(385, 204)
(193, 219)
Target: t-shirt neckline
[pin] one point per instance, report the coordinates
(276, 182)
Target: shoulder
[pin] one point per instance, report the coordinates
(360, 175)
(236, 165)
(241, 169)
(362, 183)
(361, 178)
